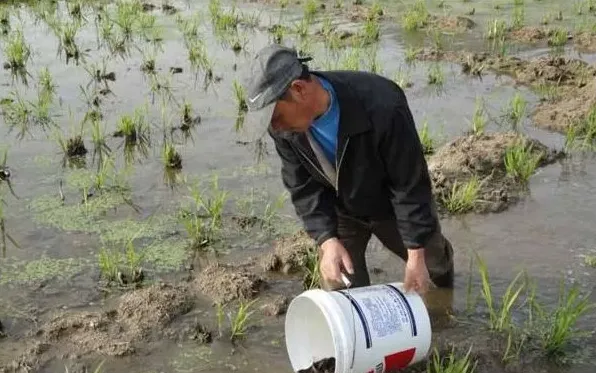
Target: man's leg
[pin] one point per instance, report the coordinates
(354, 235)
(438, 253)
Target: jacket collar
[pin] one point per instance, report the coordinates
(352, 118)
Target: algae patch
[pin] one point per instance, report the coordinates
(168, 255)
(44, 268)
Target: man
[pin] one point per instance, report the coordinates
(353, 165)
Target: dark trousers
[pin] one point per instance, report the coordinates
(355, 235)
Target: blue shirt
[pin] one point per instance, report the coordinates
(324, 129)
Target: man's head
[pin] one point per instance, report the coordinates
(281, 86)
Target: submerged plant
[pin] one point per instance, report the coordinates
(517, 111)
(478, 120)
(202, 219)
(435, 74)
(240, 95)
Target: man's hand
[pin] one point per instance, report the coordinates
(417, 277)
(335, 258)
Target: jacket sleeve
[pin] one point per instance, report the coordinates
(313, 202)
(410, 184)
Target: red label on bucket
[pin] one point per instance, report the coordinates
(399, 360)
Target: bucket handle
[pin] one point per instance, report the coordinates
(348, 285)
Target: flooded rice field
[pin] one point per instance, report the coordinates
(144, 226)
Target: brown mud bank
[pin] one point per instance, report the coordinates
(470, 173)
(154, 313)
(567, 86)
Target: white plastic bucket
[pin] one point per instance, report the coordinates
(373, 329)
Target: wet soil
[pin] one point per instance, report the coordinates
(140, 316)
(223, 283)
(451, 23)
(483, 156)
(569, 107)
(528, 34)
(289, 254)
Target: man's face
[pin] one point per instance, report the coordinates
(294, 112)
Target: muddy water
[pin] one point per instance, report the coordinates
(547, 234)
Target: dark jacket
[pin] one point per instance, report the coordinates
(381, 170)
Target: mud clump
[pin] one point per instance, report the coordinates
(586, 41)
(289, 254)
(142, 310)
(482, 156)
(114, 332)
(528, 34)
(276, 307)
(572, 106)
(449, 23)
(224, 283)
(321, 366)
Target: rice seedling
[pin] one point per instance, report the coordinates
(452, 363)
(428, 143)
(101, 150)
(517, 111)
(240, 95)
(435, 74)
(462, 197)
(46, 85)
(240, 321)
(437, 40)
(17, 53)
(411, 54)
(590, 260)
(581, 135)
(121, 266)
(416, 16)
(499, 317)
(402, 78)
(132, 128)
(311, 7)
(558, 37)
(72, 147)
(496, 29)
(67, 45)
(148, 64)
(202, 219)
(478, 120)
(221, 20)
(521, 161)
(170, 157)
(189, 27)
(560, 324)
(548, 92)
(312, 275)
(518, 17)
(371, 32)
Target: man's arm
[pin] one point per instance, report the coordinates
(411, 189)
(314, 202)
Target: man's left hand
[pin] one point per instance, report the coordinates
(417, 277)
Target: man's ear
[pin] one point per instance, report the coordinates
(298, 89)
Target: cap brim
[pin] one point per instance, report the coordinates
(256, 122)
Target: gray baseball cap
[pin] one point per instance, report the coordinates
(272, 70)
